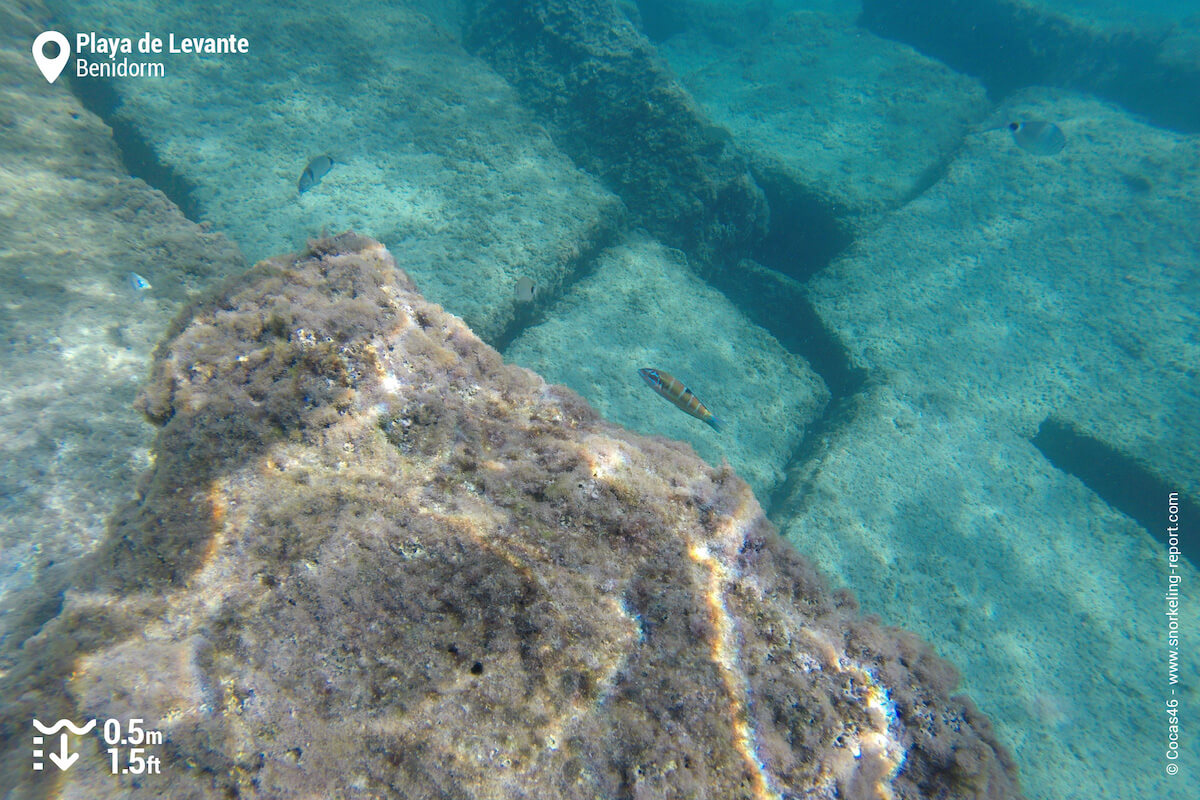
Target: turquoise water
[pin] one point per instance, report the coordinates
(957, 367)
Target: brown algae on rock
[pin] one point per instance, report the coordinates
(371, 556)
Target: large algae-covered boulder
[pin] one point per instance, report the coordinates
(372, 560)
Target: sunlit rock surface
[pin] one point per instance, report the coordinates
(862, 123)
(75, 334)
(1026, 287)
(371, 560)
(642, 307)
(1016, 290)
(432, 151)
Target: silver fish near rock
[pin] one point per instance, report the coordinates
(525, 290)
(313, 173)
(137, 282)
(1038, 137)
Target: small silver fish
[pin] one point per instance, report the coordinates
(137, 282)
(313, 173)
(1038, 137)
(525, 290)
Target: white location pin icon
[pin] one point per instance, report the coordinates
(51, 67)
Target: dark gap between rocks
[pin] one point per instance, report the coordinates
(805, 233)
(1119, 481)
(797, 477)
(137, 154)
(535, 313)
(1010, 45)
(777, 303)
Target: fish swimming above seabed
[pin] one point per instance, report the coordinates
(313, 173)
(1038, 137)
(138, 283)
(681, 396)
(525, 290)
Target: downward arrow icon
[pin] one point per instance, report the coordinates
(63, 759)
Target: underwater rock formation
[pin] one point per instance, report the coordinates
(619, 113)
(990, 322)
(373, 560)
(77, 333)
(440, 161)
(826, 112)
(603, 330)
(1148, 62)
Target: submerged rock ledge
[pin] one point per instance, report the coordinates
(372, 560)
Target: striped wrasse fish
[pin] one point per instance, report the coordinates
(681, 396)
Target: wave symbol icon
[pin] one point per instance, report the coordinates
(65, 723)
